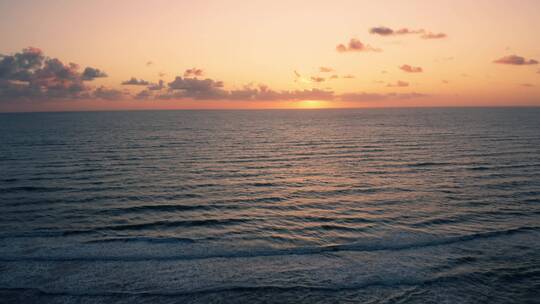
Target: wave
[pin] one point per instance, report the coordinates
(367, 246)
(410, 283)
(161, 224)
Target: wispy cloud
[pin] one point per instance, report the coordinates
(411, 69)
(326, 69)
(356, 45)
(515, 60)
(194, 72)
(363, 97)
(386, 31)
(430, 35)
(398, 84)
(317, 79)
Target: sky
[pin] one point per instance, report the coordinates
(113, 55)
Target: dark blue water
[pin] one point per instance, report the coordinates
(300, 206)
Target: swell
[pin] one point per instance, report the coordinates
(368, 246)
(416, 284)
(161, 224)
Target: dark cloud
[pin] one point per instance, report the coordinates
(382, 30)
(515, 60)
(386, 31)
(209, 89)
(356, 45)
(317, 79)
(196, 88)
(108, 94)
(194, 72)
(326, 69)
(430, 35)
(30, 75)
(410, 69)
(91, 73)
(398, 84)
(136, 82)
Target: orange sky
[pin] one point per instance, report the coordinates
(272, 54)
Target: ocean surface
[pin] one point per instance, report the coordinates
(277, 206)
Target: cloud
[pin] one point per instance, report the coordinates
(334, 77)
(267, 94)
(91, 73)
(349, 76)
(382, 30)
(515, 60)
(527, 85)
(430, 35)
(317, 79)
(386, 31)
(300, 79)
(208, 89)
(356, 45)
(398, 84)
(194, 72)
(196, 88)
(406, 31)
(108, 94)
(149, 63)
(144, 94)
(30, 75)
(325, 70)
(362, 97)
(136, 82)
(410, 69)
(156, 87)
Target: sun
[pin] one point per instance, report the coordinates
(312, 104)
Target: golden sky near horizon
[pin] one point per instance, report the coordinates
(274, 54)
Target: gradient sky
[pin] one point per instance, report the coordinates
(268, 54)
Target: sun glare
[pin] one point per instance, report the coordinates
(312, 104)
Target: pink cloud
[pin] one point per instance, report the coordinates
(430, 35)
(398, 84)
(410, 69)
(356, 45)
(515, 60)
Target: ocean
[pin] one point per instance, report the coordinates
(424, 205)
